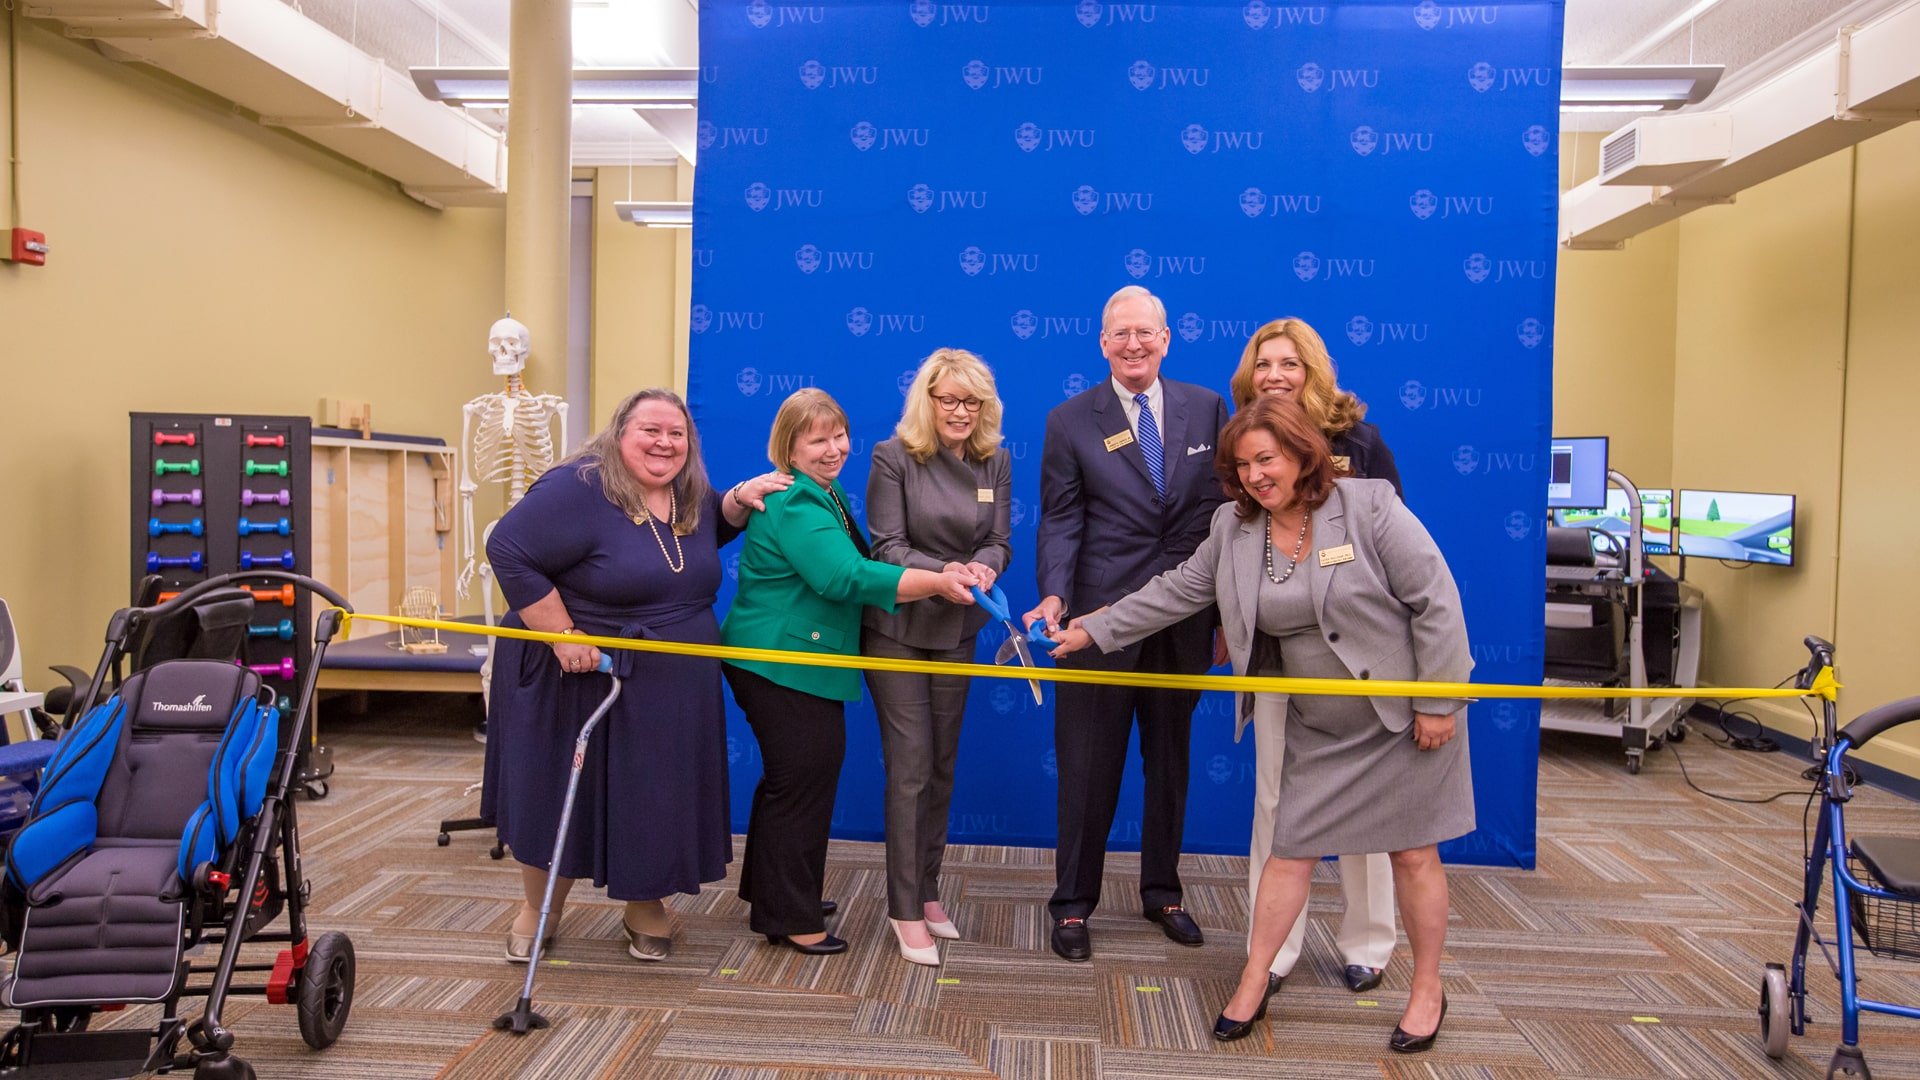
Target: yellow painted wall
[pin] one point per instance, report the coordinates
(640, 278)
(200, 263)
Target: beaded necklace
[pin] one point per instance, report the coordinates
(1299, 548)
(645, 517)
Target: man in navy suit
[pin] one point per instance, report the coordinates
(1126, 491)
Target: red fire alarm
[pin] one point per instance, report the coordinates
(29, 247)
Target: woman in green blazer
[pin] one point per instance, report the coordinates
(805, 575)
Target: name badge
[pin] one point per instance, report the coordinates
(1342, 464)
(985, 495)
(1115, 442)
(1334, 556)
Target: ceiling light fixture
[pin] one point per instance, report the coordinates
(1636, 87)
(656, 215)
(652, 88)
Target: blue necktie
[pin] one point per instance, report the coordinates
(1150, 446)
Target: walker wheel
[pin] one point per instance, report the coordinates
(1633, 764)
(325, 994)
(1773, 1011)
(497, 853)
(443, 840)
(1678, 732)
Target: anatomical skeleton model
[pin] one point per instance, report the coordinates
(505, 438)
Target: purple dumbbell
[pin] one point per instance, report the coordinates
(162, 498)
(283, 527)
(248, 497)
(248, 560)
(280, 669)
(157, 562)
(156, 527)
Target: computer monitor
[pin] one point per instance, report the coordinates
(1739, 526)
(1656, 518)
(1577, 473)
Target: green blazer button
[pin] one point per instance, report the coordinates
(816, 635)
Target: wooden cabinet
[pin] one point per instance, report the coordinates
(383, 519)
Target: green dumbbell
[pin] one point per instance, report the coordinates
(254, 468)
(191, 468)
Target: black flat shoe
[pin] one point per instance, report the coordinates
(1226, 1029)
(825, 947)
(1403, 1043)
(828, 909)
(1071, 940)
(1362, 979)
(1176, 924)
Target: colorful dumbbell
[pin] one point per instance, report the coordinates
(249, 497)
(265, 440)
(254, 468)
(163, 438)
(284, 631)
(279, 669)
(156, 562)
(250, 528)
(284, 594)
(162, 468)
(162, 498)
(156, 527)
(248, 560)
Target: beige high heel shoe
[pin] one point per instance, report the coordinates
(928, 955)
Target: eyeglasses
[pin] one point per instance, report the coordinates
(1146, 336)
(950, 403)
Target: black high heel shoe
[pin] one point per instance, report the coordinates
(1227, 1030)
(827, 946)
(1403, 1043)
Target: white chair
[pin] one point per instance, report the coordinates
(14, 696)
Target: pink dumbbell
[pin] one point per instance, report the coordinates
(161, 438)
(263, 440)
(248, 497)
(162, 498)
(282, 669)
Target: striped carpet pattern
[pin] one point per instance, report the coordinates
(1634, 950)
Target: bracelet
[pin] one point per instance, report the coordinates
(734, 493)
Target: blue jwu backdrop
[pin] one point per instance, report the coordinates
(879, 179)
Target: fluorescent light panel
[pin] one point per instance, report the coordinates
(1636, 87)
(656, 215)
(653, 88)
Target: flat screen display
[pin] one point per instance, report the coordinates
(1577, 473)
(1739, 526)
(1656, 518)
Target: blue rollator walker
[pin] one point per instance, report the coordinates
(1876, 890)
(521, 1018)
(164, 822)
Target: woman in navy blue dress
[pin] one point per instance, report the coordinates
(622, 539)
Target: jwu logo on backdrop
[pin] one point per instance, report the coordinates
(1031, 136)
(1144, 75)
(925, 13)
(1026, 325)
(1092, 13)
(752, 382)
(1365, 140)
(1193, 327)
(810, 258)
(1312, 77)
(1483, 77)
(1254, 202)
(1537, 139)
(924, 197)
(761, 197)
(979, 75)
(866, 135)
(1362, 330)
(762, 15)
(1199, 140)
(974, 262)
(1088, 201)
(710, 136)
(1481, 268)
(1308, 266)
(703, 319)
(1140, 264)
(1416, 395)
(814, 75)
(1426, 204)
(861, 322)
(1258, 15)
(1429, 15)
(1467, 461)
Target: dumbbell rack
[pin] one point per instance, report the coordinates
(196, 479)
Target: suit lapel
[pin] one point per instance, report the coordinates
(1110, 419)
(1247, 560)
(1329, 531)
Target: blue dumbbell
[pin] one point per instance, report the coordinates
(249, 560)
(284, 631)
(249, 528)
(156, 562)
(156, 527)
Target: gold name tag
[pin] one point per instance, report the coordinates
(1334, 556)
(1115, 442)
(1342, 464)
(985, 495)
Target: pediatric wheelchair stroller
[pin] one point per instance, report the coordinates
(164, 823)
(1876, 889)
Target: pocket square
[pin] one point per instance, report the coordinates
(1201, 449)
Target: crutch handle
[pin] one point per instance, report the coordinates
(606, 664)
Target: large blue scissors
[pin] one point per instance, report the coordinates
(994, 603)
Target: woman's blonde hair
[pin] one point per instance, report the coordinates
(918, 420)
(798, 414)
(601, 456)
(1334, 410)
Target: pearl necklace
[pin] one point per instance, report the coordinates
(1299, 548)
(645, 517)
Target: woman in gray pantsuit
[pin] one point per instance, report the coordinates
(1337, 579)
(937, 499)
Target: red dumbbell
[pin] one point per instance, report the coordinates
(263, 440)
(281, 669)
(163, 438)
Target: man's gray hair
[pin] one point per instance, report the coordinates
(1128, 292)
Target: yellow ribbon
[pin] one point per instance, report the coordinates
(1825, 686)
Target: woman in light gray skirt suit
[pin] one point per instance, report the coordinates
(938, 498)
(1338, 580)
